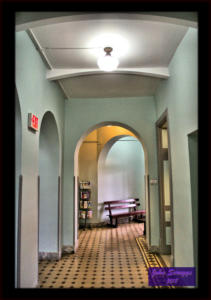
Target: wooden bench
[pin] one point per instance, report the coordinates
(125, 204)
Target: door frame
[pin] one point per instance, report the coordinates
(164, 118)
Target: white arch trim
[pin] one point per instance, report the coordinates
(158, 72)
(109, 123)
(108, 146)
(57, 130)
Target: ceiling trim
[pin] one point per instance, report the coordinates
(39, 48)
(63, 89)
(56, 74)
(167, 17)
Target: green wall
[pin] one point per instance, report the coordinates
(178, 94)
(36, 95)
(84, 114)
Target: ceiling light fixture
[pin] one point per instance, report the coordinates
(108, 63)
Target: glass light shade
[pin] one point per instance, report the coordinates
(108, 63)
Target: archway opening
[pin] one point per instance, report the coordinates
(48, 244)
(121, 171)
(18, 185)
(95, 138)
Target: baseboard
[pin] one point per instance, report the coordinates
(154, 249)
(106, 223)
(94, 225)
(67, 249)
(49, 256)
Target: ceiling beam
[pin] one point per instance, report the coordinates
(158, 72)
(25, 20)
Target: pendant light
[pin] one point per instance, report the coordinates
(108, 63)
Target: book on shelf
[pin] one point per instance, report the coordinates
(89, 214)
(85, 185)
(85, 204)
(82, 214)
(84, 195)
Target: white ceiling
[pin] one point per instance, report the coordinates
(144, 47)
(142, 43)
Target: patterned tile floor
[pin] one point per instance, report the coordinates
(152, 260)
(106, 258)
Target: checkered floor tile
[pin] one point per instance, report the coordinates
(106, 258)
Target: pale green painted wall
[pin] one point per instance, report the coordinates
(82, 114)
(179, 95)
(36, 95)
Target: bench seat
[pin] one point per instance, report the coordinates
(127, 214)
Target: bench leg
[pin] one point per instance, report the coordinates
(116, 225)
(110, 220)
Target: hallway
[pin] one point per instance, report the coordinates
(86, 136)
(106, 258)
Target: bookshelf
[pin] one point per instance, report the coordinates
(85, 208)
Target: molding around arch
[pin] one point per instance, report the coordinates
(57, 130)
(111, 123)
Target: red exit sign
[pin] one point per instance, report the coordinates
(33, 122)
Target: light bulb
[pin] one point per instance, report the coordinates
(108, 63)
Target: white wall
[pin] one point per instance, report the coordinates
(121, 174)
(179, 95)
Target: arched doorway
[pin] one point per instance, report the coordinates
(121, 171)
(18, 186)
(76, 173)
(49, 191)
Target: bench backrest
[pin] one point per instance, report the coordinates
(119, 204)
(121, 201)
